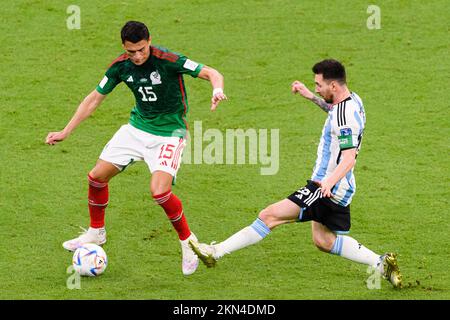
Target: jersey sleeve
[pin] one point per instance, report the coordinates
(350, 128)
(110, 80)
(185, 65)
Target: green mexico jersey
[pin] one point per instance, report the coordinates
(158, 87)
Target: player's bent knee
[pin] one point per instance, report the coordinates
(269, 217)
(322, 244)
(103, 171)
(93, 174)
(157, 189)
(161, 182)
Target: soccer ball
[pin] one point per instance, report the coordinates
(89, 260)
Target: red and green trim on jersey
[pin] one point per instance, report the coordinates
(183, 99)
(120, 58)
(154, 51)
(171, 57)
(158, 53)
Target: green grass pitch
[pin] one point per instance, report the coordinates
(400, 71)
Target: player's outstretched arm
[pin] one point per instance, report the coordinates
(85, 109)
(216, 79)
(298, 87)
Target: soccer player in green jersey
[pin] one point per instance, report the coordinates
(155, 133)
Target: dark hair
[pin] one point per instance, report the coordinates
(134, 31)
(331, 70)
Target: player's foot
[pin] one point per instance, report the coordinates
(205, 252)
(190, 260)
(390, 268)
(92, 235)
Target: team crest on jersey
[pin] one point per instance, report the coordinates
(155, 77)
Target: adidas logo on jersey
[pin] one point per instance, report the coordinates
(130, 79)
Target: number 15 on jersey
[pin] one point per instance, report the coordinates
(147, 94)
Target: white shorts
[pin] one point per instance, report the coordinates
(130, 144)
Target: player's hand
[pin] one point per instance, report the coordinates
(216, 98)
(326, 188)
(299, 87)
(55, 137)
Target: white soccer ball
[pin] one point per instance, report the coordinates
(89, 260)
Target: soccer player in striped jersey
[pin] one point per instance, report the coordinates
(155, 133)
(326, 198)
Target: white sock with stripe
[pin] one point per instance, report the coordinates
(349, 248)
(252, 234)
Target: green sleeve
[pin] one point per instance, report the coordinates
(185, 65)
(109, 81)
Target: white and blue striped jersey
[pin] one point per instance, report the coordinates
(343, 129)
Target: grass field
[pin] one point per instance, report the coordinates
(401, 71)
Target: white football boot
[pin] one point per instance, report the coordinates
(189, 258)
(92, 235)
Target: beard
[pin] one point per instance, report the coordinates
(328, 99)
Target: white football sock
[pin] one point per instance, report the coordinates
(97, 231)
(349, 248)
(252, 234)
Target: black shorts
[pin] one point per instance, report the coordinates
(323, 210)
